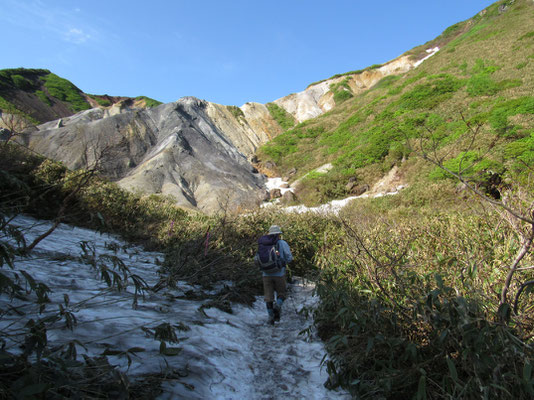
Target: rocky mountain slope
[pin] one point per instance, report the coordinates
(320, 97)
(174, 149)
(193, 150)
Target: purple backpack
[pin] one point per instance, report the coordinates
(266, 258)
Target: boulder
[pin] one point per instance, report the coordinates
(359, 190)
(269, 165)
(275, 194)
(289, 174)
(288, 197)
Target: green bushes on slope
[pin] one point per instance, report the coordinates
(150, 103)
(370, 131)
(65, 91)
(281, 116)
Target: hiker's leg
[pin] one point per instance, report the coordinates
(279, 283)
(280, 288)
(268, 291)
(268, 288)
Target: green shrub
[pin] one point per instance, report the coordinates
(318, 188)
(482, 85)
(386, 82)
(22, 83)
(466, 164)
(150, 103)
(342, 95)
(342, 91)
(101, 101)
(43, 97)
(281, 116)
(238, 113)
(65, 91)
(407, 289)
(521, 154)
(282, 146)
(500, 114)
(20, 77)
(428, 95)
(6, 105)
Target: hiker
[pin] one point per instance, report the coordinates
(274, 277)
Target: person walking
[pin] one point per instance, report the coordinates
(274, 279)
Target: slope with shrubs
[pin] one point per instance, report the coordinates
(39, 96)
(201, 249)
(483, 73)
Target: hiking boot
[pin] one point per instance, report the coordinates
(271, 319)
(276, 310)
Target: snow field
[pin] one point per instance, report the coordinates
(223, 356)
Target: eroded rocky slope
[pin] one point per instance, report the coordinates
(174, 149)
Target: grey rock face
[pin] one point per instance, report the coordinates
(174, 149)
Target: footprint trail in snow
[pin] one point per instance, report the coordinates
(223, 356)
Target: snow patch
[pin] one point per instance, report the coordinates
(335, 206)
(430, 52)
(277, 183)
(223, 356)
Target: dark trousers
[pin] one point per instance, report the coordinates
(273, 284)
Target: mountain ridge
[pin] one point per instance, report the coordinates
(304, 130)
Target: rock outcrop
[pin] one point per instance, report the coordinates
(252, 127)
(318, 98)
(174, 149)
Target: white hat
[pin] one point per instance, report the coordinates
(274, 230)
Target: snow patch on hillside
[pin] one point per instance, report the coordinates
(430, 52)
(335, 206)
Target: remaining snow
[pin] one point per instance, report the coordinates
(335, 206)
(224, 356)
(276, 183)
(324, 168)
(430, 52)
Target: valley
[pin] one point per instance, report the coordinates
(404, 190)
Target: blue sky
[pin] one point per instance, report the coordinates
(228, 52)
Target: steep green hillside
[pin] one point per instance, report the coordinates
(482, 77)
(38, 95)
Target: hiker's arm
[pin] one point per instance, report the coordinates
(285, 252)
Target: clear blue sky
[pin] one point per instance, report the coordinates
(224, 51)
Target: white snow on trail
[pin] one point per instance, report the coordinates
(223, 356)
